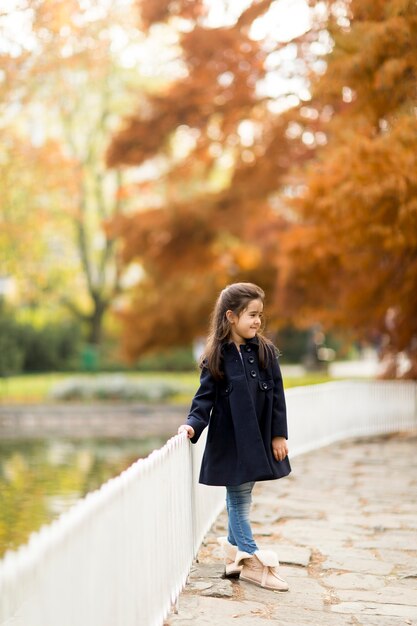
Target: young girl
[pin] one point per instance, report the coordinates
(241, 399)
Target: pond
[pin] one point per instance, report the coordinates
(41, 478)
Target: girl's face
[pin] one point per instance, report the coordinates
(247, 323)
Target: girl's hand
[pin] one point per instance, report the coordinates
(279, 448)
(185, 428)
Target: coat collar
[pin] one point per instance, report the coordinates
(254, 343)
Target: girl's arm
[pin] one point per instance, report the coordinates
(279, 409)
(201, 406)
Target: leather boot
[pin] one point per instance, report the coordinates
(232, 570)
(261, 568)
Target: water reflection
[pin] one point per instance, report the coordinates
(39, 479)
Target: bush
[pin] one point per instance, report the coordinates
(25, 348)
(111, 387)
(11, 352)
(292, 343)
(175, 360)
(53, 347)
(295, 344)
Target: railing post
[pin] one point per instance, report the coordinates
(415, 404)
(193, 499)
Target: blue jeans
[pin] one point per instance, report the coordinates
(238, 501)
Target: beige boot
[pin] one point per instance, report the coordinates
(261, 568)
(232, 570)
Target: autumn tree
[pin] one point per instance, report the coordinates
(351, 254)
(15, 158)
(63, 87)
(219, 142)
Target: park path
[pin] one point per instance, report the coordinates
(344, 525)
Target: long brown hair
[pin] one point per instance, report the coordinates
(236, 298)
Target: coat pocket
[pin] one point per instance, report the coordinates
(225, 391)
(266, 385)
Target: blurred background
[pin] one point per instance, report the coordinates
(152, 153)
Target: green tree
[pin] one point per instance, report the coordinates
(69, 83)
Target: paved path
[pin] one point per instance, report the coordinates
(344, 525)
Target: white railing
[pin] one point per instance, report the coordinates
(322, 414)
(120, 557)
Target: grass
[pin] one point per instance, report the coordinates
(28, 388)
(312, 378)
(35, 388)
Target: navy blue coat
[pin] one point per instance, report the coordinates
(244, 411)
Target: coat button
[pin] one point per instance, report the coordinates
(248, 349)
(264, 386)
(227, 390)
(253, 373)
(251, 359)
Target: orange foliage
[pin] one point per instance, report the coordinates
(161, 10)
(353, 253)
(206, 233)
(333, 240)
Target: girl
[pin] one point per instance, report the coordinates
(241, 399)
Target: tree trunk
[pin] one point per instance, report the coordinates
(95, 320)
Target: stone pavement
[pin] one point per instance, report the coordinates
(344, 525)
